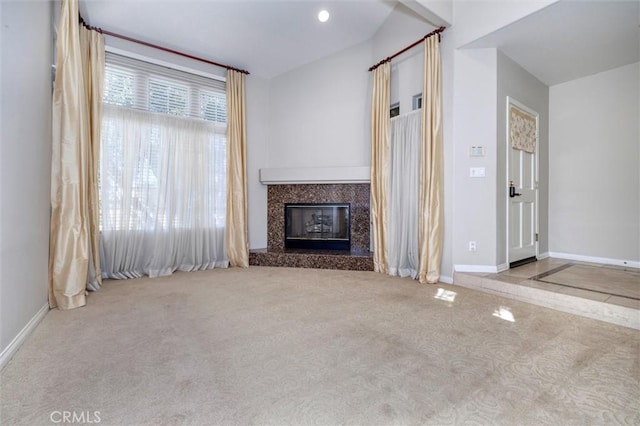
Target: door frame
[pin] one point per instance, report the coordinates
(520, 105)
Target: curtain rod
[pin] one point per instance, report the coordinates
(164, 49)
(389, 58)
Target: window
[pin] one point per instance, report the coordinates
(163, 168)
(143, 86)
(417, 101)
(395, 110)
(118, 86)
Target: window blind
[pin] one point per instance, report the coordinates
(136, 84)
(163, 170)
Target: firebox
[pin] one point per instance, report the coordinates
(317, 226)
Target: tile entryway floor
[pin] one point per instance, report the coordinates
(605, 292)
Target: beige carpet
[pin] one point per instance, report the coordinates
(301, 346)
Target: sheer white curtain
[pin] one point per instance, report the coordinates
(162, 188)
(404, 186)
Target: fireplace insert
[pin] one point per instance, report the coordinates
(323, 226)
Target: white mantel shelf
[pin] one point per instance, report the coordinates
(310, 175)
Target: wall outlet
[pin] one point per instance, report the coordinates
(477, 172)
(472, 246)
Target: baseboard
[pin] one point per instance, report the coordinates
(593, 259)
(446, 280)
(487, 269)
(17, 341)
(502, 267)
(543, 255)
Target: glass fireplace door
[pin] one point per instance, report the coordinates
(317, 226)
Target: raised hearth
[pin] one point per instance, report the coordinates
(319, 259)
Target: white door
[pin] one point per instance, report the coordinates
(521, 183)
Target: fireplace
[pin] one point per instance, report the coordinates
(355, 256)
(323, 226)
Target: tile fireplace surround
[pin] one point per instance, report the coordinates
(359, 258)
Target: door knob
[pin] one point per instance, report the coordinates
(512, 190)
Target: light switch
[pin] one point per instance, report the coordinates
(476, 151)
(477, 172)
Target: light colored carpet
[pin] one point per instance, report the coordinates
(301, 346)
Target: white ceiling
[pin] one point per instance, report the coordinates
(265, 37)
(567, 40)
(571, 39)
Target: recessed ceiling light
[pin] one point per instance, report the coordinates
(323, 16)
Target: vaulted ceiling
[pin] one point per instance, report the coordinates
(266, 37)
(566, 40)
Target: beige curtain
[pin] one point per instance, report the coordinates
(74, 260)
(236, 237)
(380, 124)
(92, 44)
(431, 219)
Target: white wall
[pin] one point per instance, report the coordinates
(319, 113)
(448, 68)
(475, 121)
(471, 110)
(406, 81)
(25, 160)
(594, 163)
(159, 56)
(402, 28)
(257, 110)
(514, 81)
